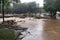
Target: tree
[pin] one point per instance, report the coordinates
(50, 6)
(57, 5)
(25, 7)
(17, 1)
(4, 5)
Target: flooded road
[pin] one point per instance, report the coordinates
(44, 29)
(40, 29)
(36, 33)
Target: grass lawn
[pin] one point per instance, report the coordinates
(6, 34)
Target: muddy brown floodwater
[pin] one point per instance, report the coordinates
(44, 29)
(40, 29)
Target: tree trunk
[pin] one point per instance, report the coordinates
(53, 14)
(3, 10)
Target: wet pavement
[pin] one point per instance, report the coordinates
(40, 29)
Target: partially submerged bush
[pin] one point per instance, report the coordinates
(37, 17)
(23, 16)
(8, 24)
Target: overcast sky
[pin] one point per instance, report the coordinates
(37, 1)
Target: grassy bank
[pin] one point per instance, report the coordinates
(6, 34)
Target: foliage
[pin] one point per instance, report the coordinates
(49, 5)
(52, 6)
(57, 5)
(19, 7)
(25, 7)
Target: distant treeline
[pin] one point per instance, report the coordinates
(15, 6)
